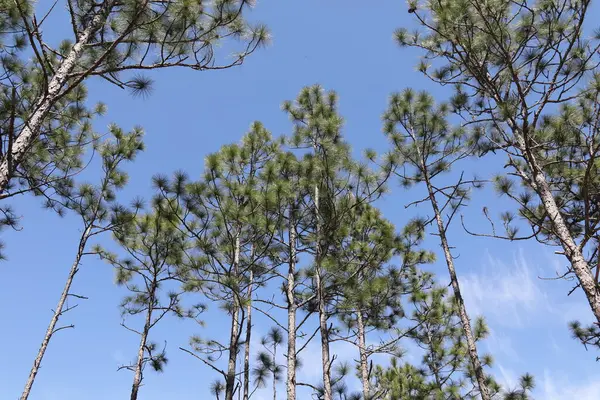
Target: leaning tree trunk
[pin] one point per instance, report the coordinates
(31, 129)
(291, 301)
(462, 310)
(58, 311)
(572, 251)
(139, 364)
(235, 329)
(362, 349)
(325, 357)
(248, 337)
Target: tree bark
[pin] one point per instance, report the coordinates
(235, 329)
(274, 369)
(573, 252)
(325, 357)
(248, 337)
(137, 376)
(291, 301)
(462, 310)
(364, 361)
(58, 311)
(32, 126)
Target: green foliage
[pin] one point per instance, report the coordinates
(267, 364)
(525, 80)
(368, 284)
(151, 273)
(445, 371)
(45, 124)
(423, 143)
(97, 204)
(231, 202)
(226, 218)
(344, 185)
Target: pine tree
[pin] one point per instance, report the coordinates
(337, 185)
(445, 371)
(372, 290)
(99, 212)
(224, 217)
(512, 66)
(289, 208)
(151, 273)
(427, 147)
(110, 39)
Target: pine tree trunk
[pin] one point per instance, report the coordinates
(462, 310)
(137, 376)
(274, 366)
(572, 251)
(233, 348)
(325, 357)
(58, 311)
(248, 337)
(31, 129)
(291, 301)
(235, 329)
(364, 362)
(328, 394)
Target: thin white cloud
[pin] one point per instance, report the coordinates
(508, 293)
(507, 378)
(554, 387)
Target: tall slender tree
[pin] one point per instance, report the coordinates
(290, 208)
(337, 185)
(372, 290)
(288, 200)
(225, 217)
(427, 147)
(99, 212)
(512, 64)
(151, 273)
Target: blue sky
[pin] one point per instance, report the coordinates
(344, 46)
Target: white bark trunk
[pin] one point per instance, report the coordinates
(291, 301)
(137, 376)
(235, 329)
(58, 311)
(364, 361)
(274, 365)
(572, 251)
(31, 129)
(325, 357)
(248, 337)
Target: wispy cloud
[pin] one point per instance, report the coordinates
(507, 378)
(527, 316)
(555, 387)
(508, 293)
